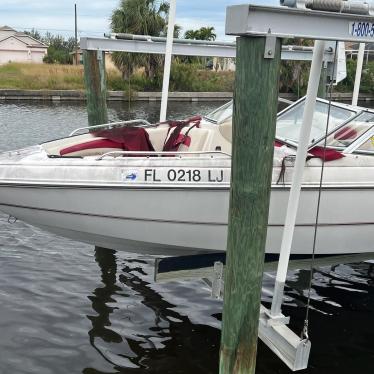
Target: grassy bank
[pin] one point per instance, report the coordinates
(184, 77)
(41, 76)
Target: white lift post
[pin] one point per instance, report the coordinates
(284, 22)
(167, 65)
(360, 62)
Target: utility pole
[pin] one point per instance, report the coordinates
(76, 36)
(254, 121)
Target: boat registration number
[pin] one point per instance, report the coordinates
(176, 175)
(361, 29)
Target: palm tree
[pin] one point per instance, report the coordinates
(192, 34)
(204, 33)
(207, 33)
(142, 17)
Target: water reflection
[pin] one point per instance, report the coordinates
(101, 298)
(146, 333)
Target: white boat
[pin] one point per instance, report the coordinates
(87, 187)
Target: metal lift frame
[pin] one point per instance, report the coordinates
(284, 22)
(271, 22)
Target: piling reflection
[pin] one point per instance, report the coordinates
(136, 329)
(106, 260)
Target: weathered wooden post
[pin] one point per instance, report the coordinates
(95, 81)
(254, 120)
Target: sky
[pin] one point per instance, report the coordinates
(57, 16)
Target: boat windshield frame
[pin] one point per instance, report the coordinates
(222, 107)
(363, 138)
(353, 109)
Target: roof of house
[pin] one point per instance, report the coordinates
(6, 28)
(21, 36)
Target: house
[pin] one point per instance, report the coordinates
(19, 47)
(109, 64)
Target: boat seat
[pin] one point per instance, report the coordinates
(157, 136)
(89, 145)
(225, 128)
(93, 147)
(55, 147)
(199, 138)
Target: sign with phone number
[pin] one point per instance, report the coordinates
(361, 29)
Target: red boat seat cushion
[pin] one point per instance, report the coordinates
(92, 148)
(117, 139)
(131, 138)
(346, 133)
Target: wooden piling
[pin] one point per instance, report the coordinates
(95, 81)
(254, 119)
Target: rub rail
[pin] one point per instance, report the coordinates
(155, 153)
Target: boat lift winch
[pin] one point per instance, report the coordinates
(321, 20)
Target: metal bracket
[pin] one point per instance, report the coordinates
(270, 43)
(290, 348)
(277, 320)
(99, 55)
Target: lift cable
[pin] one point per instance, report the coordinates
(305, 331)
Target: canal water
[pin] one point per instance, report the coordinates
(66, 308)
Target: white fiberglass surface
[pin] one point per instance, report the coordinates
(289, 122)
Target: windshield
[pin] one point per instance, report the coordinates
(221, 114)
(351, 131)
(289, 122)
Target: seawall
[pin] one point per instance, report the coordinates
(79, 95)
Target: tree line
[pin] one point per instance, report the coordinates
(59, 48)
(150, 17)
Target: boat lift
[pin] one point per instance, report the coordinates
(281, 22)
(303, 19)
(272, 23)
(185, 47)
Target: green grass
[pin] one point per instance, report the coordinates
(41, 76)
(184, 77)
(188, 77)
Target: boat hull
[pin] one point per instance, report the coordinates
(175, 221)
